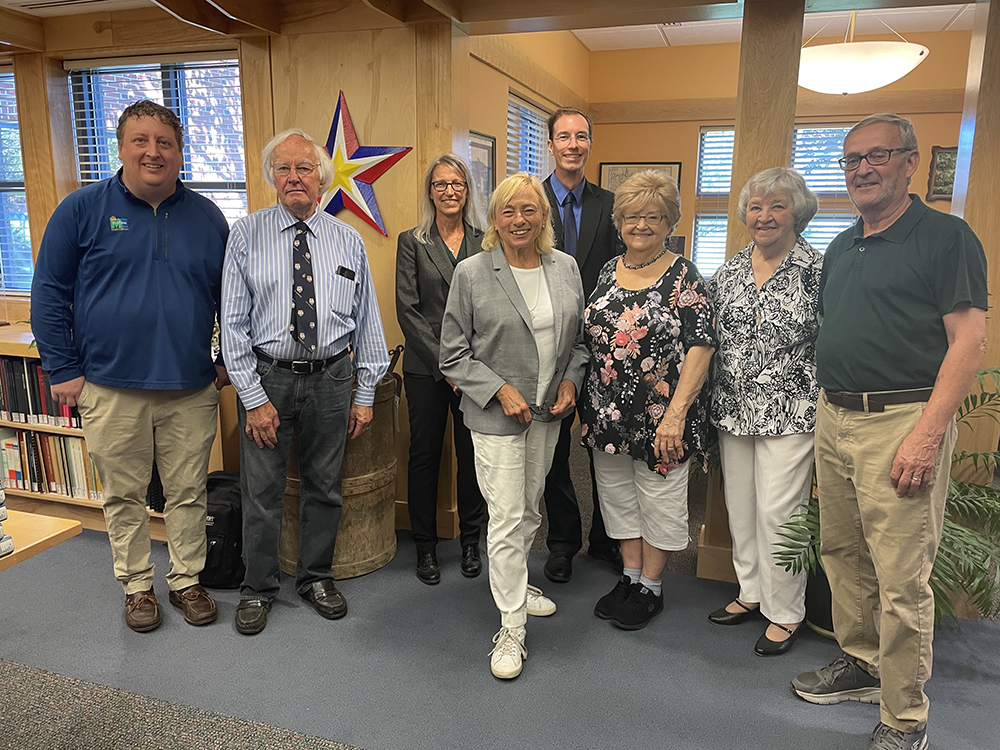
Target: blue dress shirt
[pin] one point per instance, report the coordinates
(257, 300)
(561, 192)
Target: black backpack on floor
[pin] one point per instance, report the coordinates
(224, 568)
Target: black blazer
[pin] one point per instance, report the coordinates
(423, 278)
(598, 240)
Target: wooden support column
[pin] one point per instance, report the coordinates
(765, 123)
(258, 116)
(977, 183)
(442, 109)
(46, 126)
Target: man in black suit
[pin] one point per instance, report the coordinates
(581, 217)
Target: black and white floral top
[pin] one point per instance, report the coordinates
(638, 340)
(765, 366)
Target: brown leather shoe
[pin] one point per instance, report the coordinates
(197, 605)
(142, 612)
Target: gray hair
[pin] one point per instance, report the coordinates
(428, 212)
(907, 138)
(322, 159)
(805, 204)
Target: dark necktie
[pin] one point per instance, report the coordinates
(569, 225)
(303, 327)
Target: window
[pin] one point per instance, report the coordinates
(527, 138)
(815, 151)
(15, 243)
(205, 95)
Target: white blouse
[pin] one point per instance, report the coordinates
(535, 290)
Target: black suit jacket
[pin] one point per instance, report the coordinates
(598, 240)
(423, 278)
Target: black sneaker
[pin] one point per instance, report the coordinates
(886, 738)
(641, 606)
(608, 604)
(842, 680)
(427, 567)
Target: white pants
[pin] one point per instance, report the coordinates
(637, 502)
(511, 470)
(767, 479)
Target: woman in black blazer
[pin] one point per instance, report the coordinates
(426, 256)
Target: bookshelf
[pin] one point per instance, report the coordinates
(15, 341)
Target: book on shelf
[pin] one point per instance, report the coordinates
(48, 464)
(26, 395)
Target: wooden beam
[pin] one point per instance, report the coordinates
(261, 14)
(204, 15)
(258, 116)
(21, 30)
(808, 104)
(393, 8)
(498, 54)
(46, 138)
(765, 98)
(977, 183)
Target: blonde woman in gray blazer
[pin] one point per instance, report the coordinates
(512, 342)
(449, 231)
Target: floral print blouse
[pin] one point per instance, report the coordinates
(638, 340)
(765, 367)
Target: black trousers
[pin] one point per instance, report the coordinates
(428, 403)
(562, 507)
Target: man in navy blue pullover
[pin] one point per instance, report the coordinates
(125, 294)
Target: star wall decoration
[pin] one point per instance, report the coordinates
(356, 167)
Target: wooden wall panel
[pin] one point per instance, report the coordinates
(258, 116)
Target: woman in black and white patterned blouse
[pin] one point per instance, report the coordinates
(764, 400)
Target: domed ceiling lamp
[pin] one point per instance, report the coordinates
(851, 67)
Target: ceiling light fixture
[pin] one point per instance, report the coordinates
(851, 67)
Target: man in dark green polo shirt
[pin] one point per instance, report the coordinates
(904, 331)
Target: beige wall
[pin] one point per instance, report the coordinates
(561, 54)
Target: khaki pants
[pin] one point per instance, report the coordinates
(125, 430)
(878, 550)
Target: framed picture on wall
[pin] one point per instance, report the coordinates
(482, 164)
(941, 179)
(614, 174)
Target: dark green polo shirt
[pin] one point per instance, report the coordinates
(883, 298)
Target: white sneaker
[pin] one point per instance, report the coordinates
(508, 653)
(539, 605)
(7, 546)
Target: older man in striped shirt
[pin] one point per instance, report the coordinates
(297, 300)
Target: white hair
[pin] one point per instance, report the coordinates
(322, 159)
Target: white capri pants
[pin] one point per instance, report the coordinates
(767, 478)
(637, 502)
(511, 470)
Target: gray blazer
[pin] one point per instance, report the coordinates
(487, 340)
(423, 278)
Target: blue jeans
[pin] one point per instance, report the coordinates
(315, 407)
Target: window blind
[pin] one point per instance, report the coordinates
(205, 94)
(815, 150)
(16, 267)
(527, 138)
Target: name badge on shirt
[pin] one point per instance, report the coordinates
(347, 273)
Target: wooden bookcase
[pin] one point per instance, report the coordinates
(15, 341)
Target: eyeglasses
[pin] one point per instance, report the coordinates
(875, 158)
(440, 186)
(302, 170)
(652, 220)
(564, 138)
(527, 212)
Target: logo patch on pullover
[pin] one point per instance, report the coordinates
(119, 224)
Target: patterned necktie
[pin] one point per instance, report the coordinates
(303, 327)
(569, 225)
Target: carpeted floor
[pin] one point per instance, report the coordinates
(44, 711)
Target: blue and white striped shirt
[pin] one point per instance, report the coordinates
(257, 300)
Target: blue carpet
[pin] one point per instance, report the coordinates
(408, 668)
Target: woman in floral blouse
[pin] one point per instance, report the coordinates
(650, 329)
(764, 402)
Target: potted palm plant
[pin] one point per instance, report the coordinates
(967, 566)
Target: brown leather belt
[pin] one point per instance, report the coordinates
(877, 400)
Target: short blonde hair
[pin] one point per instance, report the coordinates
(503, 195)
(644, 187)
